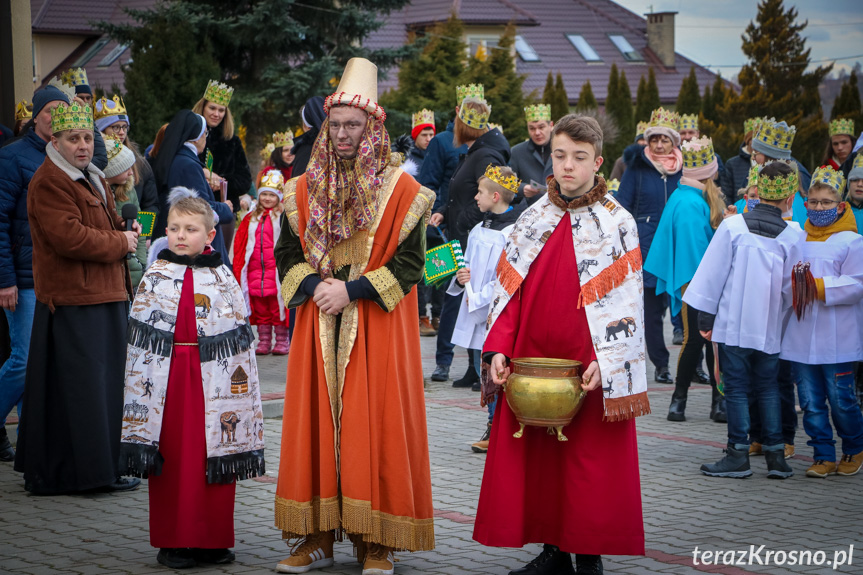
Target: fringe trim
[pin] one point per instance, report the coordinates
(397, 532)
(236, 467)
(298, 519)
(139, 460)
(227, 344)
(507, 275)
(148, 338)
(610, 278)
(623, 408)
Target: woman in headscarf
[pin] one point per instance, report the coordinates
(178, 165)
(313, 117)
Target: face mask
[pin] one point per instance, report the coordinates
(752, 203)
(823, 218)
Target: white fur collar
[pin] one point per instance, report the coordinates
(74, 173)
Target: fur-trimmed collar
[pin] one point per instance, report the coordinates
(210, 260)
(594, 195)
(74, 173)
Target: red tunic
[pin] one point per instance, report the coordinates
(186, 511)
(583, 495)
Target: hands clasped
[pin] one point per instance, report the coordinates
(331, 296)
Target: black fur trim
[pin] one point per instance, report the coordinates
(227, 344)
(236, 467)
(148, 338)
(210, 260)
(140, 460)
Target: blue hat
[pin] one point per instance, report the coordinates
(45, 95)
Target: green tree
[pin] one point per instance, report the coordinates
(651, 93)
(560, 106)
(618, 106)
(586, 99)
(548, 92)
(708, 108)
(689, 98)
(642, 111)
(847, 104)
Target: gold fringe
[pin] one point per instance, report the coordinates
(623, 408)
(387, 286)
(297, 519)
(420, 209)
(609, 278)
(290, 202)
(294, 278)
(397, 532)
(350, 251)
(507, 275)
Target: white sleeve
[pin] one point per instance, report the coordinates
(454, 288)
(705, 289)
(847, 288)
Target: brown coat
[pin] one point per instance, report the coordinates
(79, 249)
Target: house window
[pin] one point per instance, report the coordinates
(91, 52)
(525, 51)
(481, 46)
(580, 44)
(629, 53)
(113, 55)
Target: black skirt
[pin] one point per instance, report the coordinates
(69, 435)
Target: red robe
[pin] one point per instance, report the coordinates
(186, 511)
(583, 495)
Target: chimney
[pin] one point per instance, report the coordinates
(660, 36)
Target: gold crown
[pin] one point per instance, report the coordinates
(612, 185)
(74, 116)
(752, 125)
(689, 121)
(858, 162)
(422, 117)
(492, 126)
(640, 128)
(752, 180)
(474, 118)
(113, 148)
(75, 77)
(64, 86)
(538, 113)
(283, 139)
(22, 112)
(844, 126)
(494, 174)
(827, 176)
(272, 179)
(697, 153)
(469, 91)
(662, 118)
(778, 188)
(776, 135)
(267, 151)
(218, 93)
(106, 107)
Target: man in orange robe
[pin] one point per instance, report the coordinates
(354, 453)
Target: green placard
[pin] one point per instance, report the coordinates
(442, 262)
(147, 221)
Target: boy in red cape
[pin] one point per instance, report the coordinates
(570, 287)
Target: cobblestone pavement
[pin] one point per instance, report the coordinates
(108, 533)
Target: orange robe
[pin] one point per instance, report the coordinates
(354, 455)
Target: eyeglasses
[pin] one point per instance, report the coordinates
(120, 127)
(821, 203)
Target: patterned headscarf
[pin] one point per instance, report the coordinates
(343, 193)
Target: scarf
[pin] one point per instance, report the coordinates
(612, 298)
(342, 193)
(232, 399)
(665, 164)
(845, 223)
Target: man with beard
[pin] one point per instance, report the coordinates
(355, 445)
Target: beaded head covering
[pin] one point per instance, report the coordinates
(779, 187)
(283, 139)
(538, 113)
(74, 116)
(510, 182)
(689, 122)
(471, 117)
(218, 93)
(842, 126)
(774, 139)
(469, 91)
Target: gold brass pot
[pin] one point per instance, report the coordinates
(544, 392)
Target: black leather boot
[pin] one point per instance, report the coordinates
(552, 561)
(7, 452)
(470, 376)
(717, 410)
(734, 464)
(588, 564)
(777, 467)
(677, 409)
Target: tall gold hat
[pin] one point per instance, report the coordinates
(827, 176)
(23, 111)
(842, 126)
(283, 139)
(689, 122)
(358, 88)
(218, 93)
(538, 113)
(73, 116)
(510, 182)
(469, 91)
(422, 118)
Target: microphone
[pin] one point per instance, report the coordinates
(129, 213)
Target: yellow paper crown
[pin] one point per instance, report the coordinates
(492, 126)
(612, 185)
(697, 153)
(469, 91)
(538, 113)
(858, 162)
(474, 118)
(113, 148)
(778, 188)
(640, 128)
(422, 117)
(272, 179)
(662, 118)
(113, 107)
(844, 126)
(689, 122)
(74, 116)
(776, 135)
(267, 151)
(283, 139)
(218, 93)
(494, 174)
(752, 180)
(827, 176)
(75, 77)
(752, 125)
(22, 112)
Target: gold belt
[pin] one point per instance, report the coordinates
(196, 343)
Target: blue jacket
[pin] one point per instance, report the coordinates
(18, 162)
(439, 165)
(643, 193)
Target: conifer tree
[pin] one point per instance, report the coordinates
(708, 108)
(560, 105)
(548, 92)
(847, 104)
(586, 99)
(618, 106)
(689, 98)
(642, 109)
(651, 94)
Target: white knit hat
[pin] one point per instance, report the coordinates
(120, 158)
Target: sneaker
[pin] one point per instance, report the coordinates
(379, 560)
(435, 323)
(441, 373)
(176, 558)
(477, 386)
(734, 464)
(850, 464)
(426, 329)
(123, 484)
(588, 564)
(552, 561)
(677, 338)
(789, 451)
(821, 469)
(314, 551)
(481, 446)
(777, 468)
(662, 375)
(214, 556)
(755, 449)
(701, 376)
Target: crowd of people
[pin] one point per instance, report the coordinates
(151, 269)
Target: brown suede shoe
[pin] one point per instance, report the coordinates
(379, 560)
(850, 464)
(314, 551)
(755, 449)
(426, 329)
(821, 469)
(789, 451)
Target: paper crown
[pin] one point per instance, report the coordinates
(422, 118)
(774, 139)
(358, 88)
(842, 126)
(689, 122)
(494, 174)
(267, 151)
(640, 128)
(283, 139)
(272, 181)
(662, 118)
(538, 113)
(113, 148)
(752, 180)
(492, 126)
(858, 162)
(752, 125)
(106, 107)
(469, 91)
(697, 153)
(74, 116)
(827, 176)
(474, 118)
(777, 188)
(75, 77)
(64, 86)
(218, 93)
(612, 185)
(22, 112)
